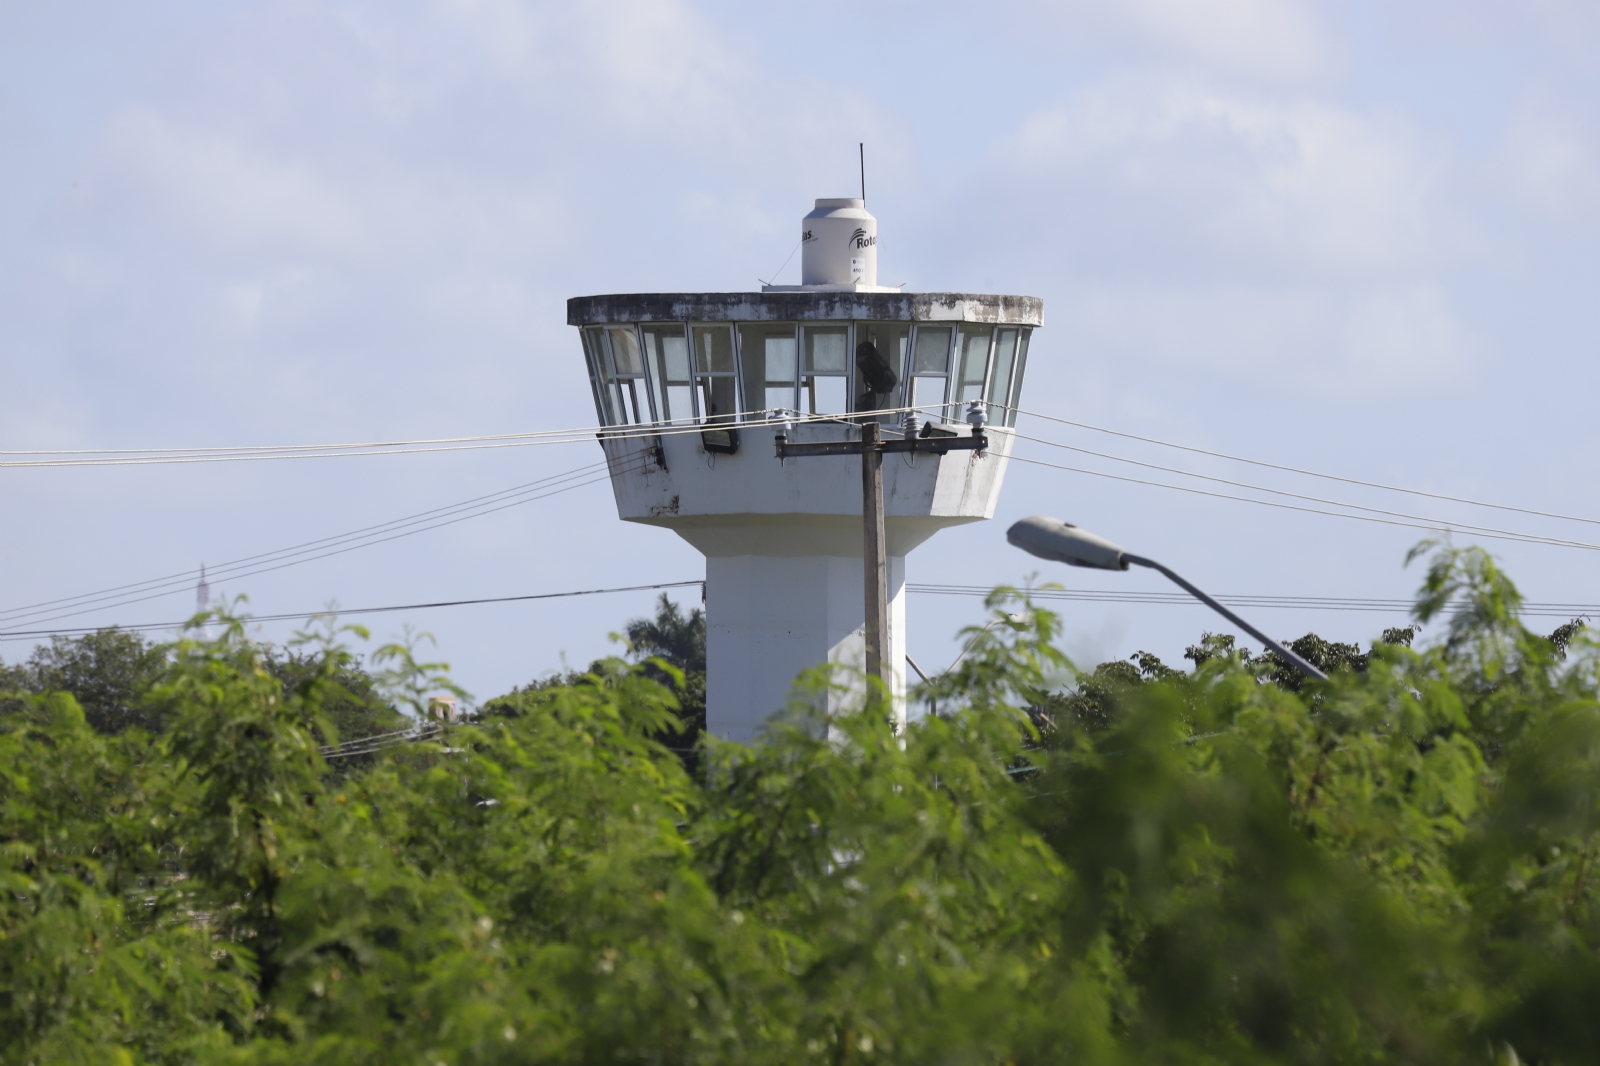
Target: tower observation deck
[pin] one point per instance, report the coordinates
(691, 388)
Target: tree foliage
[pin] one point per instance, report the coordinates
(678, 639)
(109, 673)
(1394, 866)
(113, 675)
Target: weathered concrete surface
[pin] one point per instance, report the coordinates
(768, 619)
(783, 546)
(789, 507)
(805, 306)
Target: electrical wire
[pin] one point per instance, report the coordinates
(342, 612)
(222, 569)
(1519, 538)
(53, 610)
(1300, 603)
(381, 741)
(165, 456)
(1296, 469)
(1465, 526)
(322, 548)
(154, 588)
(331, 546)
(767, 417)
(775, 273)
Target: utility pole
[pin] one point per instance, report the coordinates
(875, 571)
(874, 554)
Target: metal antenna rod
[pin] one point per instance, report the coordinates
(863, 147)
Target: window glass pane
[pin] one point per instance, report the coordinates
(780, 359)
(668, 351)
(624, 350)
(632, 408)
(716, 397)
(1016, 377)
(600, 376)
(933, 350)
(767, 355)
(713, 349)
(594, 344)
(824, 394)
(928, 392)
(666, 359)
(1005, 353)
(880, 364)
(679, 405)
(974, 363)
(825, 349)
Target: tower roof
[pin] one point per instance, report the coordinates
(805, 306)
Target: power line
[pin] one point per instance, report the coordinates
(167, 456)
(333, 546)
(137, 592)
(52, 610)
(1515, 537)
(341, 613)
(183, 577)
(1433, 522)
(1300, 603)
(769, 417)
(381, 741)
(1311, 603)
(434, 518)
(1300, 470)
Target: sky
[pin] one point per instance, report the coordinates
(1354, 238)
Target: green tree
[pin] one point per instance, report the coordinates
(109, 672)
(678, 639)
(1392, 866)
(354, 708)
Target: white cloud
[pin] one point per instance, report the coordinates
(1341, 343)
(230, 189)
(1551, 158)
(487, 128)
(1279, 38)
(1273, 41)
(1406, 336)
(1304, 183)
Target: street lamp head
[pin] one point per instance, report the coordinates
(1063, 542)
(1051, 538)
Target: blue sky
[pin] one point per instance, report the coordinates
(1358, 238)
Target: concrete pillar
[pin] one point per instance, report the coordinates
(770, 617)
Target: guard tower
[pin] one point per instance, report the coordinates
(693, 387)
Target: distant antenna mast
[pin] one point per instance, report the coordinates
(863, 147)
(202, 592)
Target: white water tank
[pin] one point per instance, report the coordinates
(839, 244)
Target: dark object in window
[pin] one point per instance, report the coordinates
(876, 376)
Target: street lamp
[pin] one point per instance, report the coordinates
(1051, 538)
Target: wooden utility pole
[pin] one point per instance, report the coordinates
(875, 554)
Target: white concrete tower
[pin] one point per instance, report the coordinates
(691, 383)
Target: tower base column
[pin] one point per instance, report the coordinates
(768, 618)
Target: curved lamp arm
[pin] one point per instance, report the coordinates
(1051, 538)
(1277, 649)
